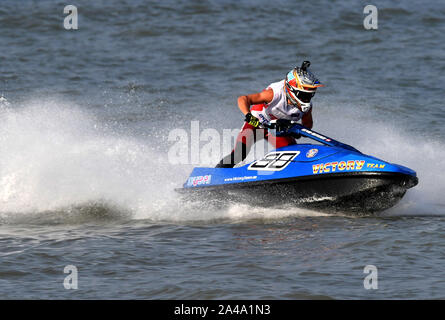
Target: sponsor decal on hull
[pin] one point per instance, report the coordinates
(311, 153)
(199, 180)
(338, 166)
(241, 178)
(375, 166)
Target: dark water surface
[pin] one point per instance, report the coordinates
(85, 177)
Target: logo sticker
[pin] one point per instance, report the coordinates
(338, 166)
(311, 153)
(375, 166)
(274, 161)
(196, 181)
(240, 178)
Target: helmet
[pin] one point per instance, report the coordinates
(300, 86)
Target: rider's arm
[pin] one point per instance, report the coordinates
(307, 119)
(244, 102)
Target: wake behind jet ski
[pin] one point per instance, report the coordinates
(331, 176)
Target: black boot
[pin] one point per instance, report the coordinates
(238, 154)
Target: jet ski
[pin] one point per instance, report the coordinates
(327, 176)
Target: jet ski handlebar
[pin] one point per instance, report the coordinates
(285, 127)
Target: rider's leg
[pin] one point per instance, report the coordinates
(244, 141)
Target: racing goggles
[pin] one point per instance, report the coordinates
(303, 96)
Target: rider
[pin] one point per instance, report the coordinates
(288, 99)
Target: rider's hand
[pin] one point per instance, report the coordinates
(250, 119)
(282, 125)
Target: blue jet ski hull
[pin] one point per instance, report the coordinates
(328, 178)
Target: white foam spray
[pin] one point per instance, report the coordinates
(56, 156)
